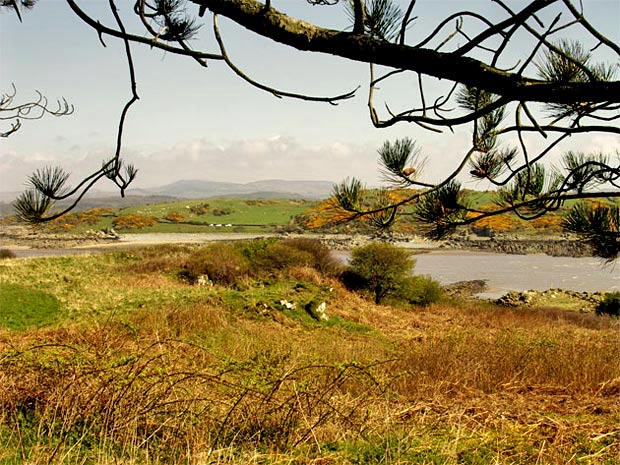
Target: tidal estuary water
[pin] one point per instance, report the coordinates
(505, 272)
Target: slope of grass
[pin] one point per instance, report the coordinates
(232, 210)
(243, 214)
(23, 307)
(142, 367)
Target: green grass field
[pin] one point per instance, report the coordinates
(243, 215)
(23, 307)
(236, 211)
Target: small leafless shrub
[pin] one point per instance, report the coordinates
(6, 254)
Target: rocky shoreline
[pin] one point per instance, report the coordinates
(557, 246)
(564, 246)
(24, 237)
(584, 302)
(553, 246)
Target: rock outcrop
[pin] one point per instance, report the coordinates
(553, 246)
(582, 301)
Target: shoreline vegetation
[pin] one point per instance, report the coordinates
(28, 242)
(132, 357)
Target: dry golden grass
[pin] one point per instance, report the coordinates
(189, 376)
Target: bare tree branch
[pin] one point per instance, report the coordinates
(455, 67)
(34, 205)
(277, 93)
(36, 109)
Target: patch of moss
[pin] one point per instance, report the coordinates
(22, 307)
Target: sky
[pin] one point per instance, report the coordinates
(197, 123)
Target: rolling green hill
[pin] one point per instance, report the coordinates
(187, 216)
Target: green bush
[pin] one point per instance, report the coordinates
(226, 263)
(199, 209)
(270, 255)
(420, 290)
(382, 268)
(222, 211)
(610, 305)
(250, 249)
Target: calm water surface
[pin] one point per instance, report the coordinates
(505, 272)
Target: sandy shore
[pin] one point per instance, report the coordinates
(39, 245)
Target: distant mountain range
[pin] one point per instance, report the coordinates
(193, 189)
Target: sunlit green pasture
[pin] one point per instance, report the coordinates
(219, 215)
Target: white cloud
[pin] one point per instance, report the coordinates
(245, 160)
(240, 160)
(255, 159)
(16, 167)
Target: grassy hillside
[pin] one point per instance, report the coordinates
(212, 215)
(135, 365)
(88, 203)
(259, 212)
